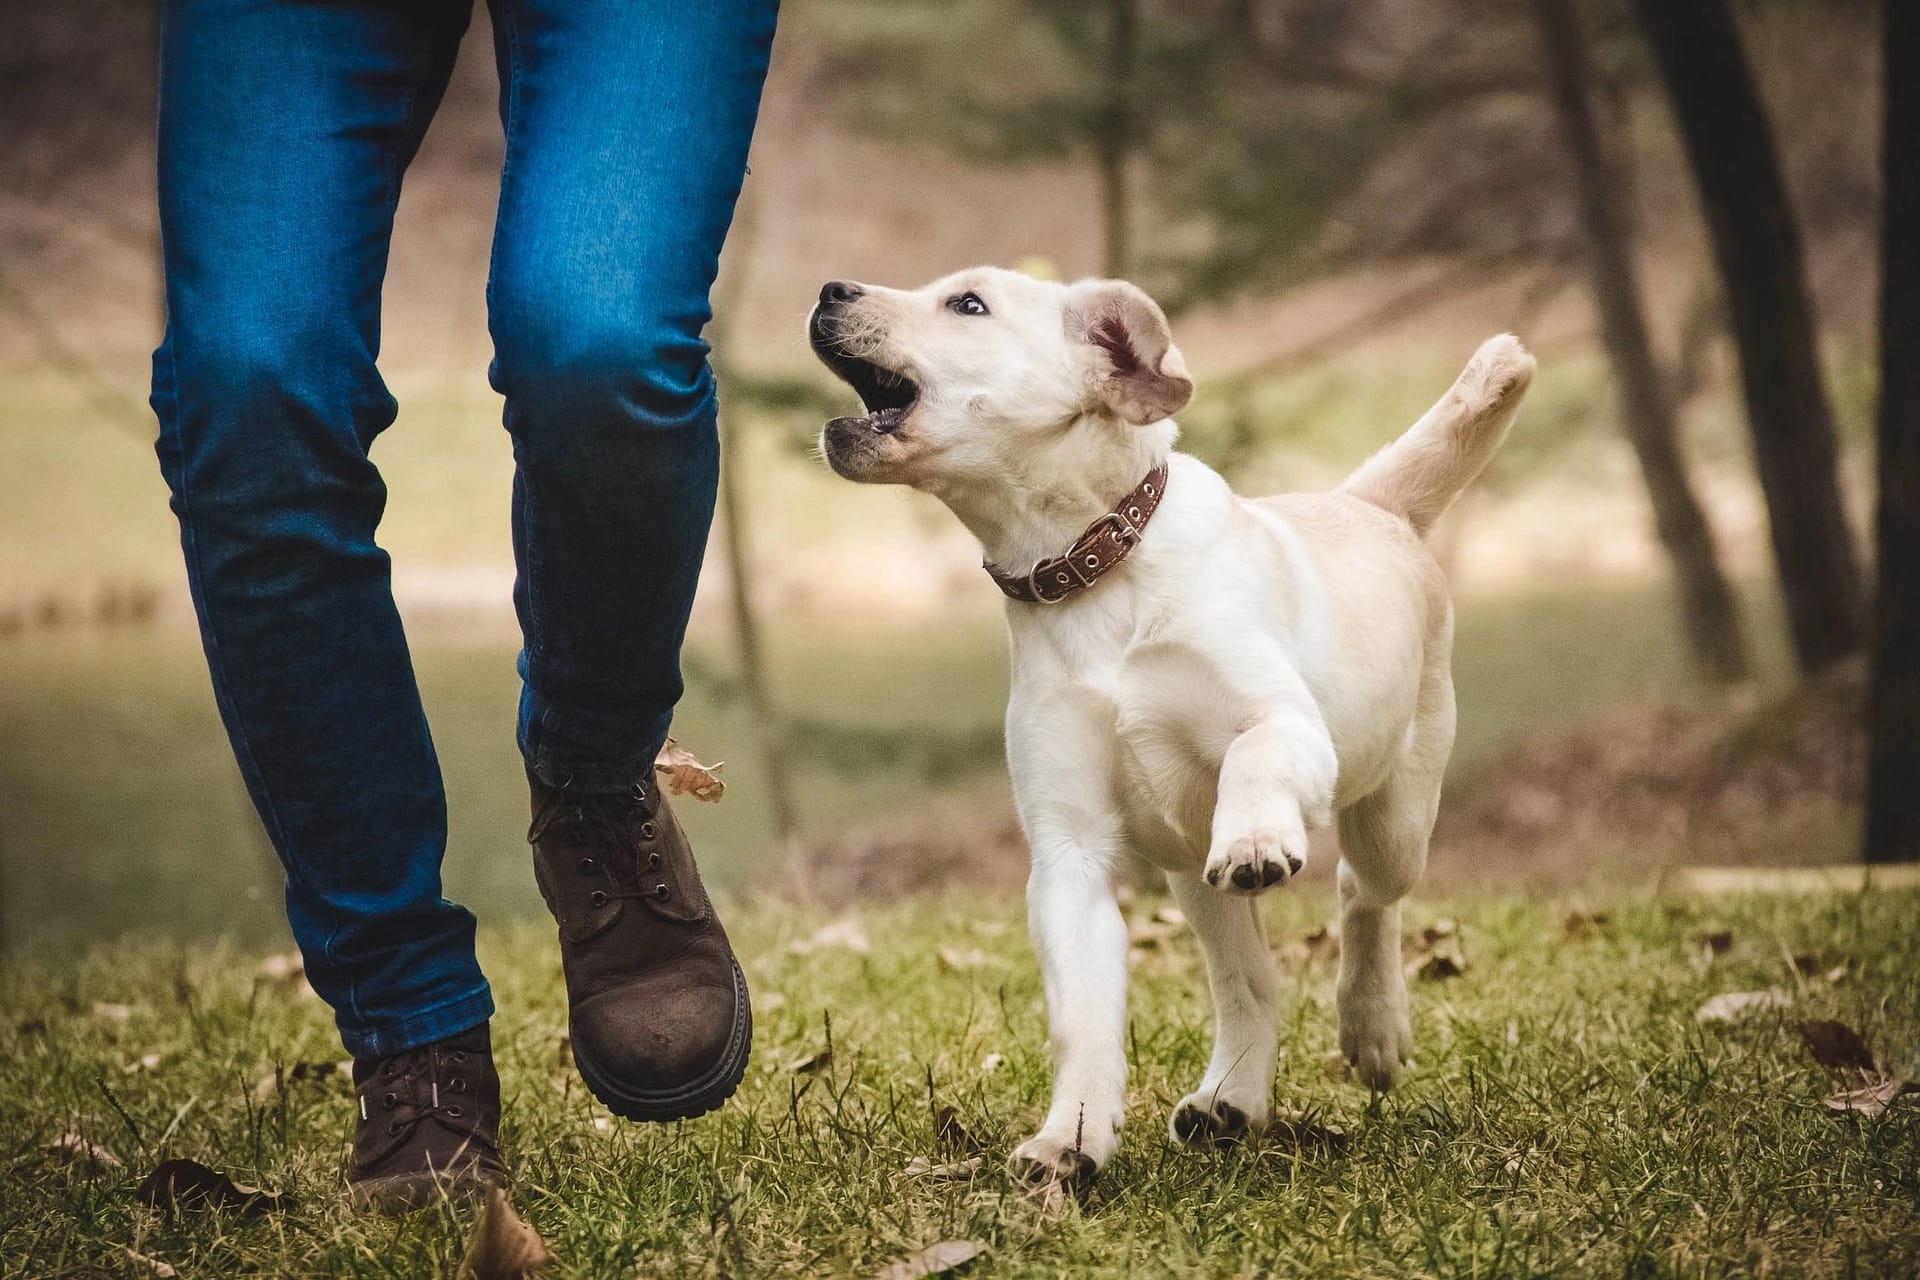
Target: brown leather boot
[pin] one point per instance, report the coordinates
(656, 1002)
(429, 1124)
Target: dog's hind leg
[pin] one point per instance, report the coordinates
(1232, 1100)
(1384, 842)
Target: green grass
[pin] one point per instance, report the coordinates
(1568, 1115)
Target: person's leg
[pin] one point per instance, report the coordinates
(627, 130)
(284, 130)
(627, 125)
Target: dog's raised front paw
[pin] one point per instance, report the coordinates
(1042, 1160)
(1204, 1118)
(1255, 863)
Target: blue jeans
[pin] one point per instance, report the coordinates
(285, 128)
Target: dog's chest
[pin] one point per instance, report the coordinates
(1175, 714)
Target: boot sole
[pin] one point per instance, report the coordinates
(695, 1099)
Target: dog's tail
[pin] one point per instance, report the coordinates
(1420, 474)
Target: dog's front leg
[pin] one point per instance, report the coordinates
(1062, 770)
(1276, 780)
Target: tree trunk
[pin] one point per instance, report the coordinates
(1646, 408)
(768, 723)
(1893, 705)
(1757, 245)
(1114, 143)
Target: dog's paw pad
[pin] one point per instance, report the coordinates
(1253, 864)
(1204, 1120)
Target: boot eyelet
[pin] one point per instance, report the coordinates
(393, 1128)
(588, 866)
(391, 1101)
(648, 831)
(653, 860)
(597, 898)
(661, 891)
(458, 1084)
(459, 1055)
(453, 1112)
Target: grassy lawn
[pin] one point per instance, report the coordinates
(1568, 1115)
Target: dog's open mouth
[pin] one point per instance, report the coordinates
(887, 396)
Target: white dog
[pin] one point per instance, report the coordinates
(1198, 678)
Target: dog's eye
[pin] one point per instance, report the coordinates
(967, 304)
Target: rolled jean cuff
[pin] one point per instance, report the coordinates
(449, 1018)
(549, 760)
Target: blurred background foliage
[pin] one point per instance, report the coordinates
(1335, 199)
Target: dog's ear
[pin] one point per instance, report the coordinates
(1143, 377)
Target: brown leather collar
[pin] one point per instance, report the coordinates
(1107, 542)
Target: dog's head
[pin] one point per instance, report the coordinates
(965, 380)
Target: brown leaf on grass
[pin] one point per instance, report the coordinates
(31, 1027)
(1581, 924)
(285, 967)
(299, 1073)
(1816, 968)
(192, 1186)
(848, 933)
(72, 1149)
(993, 1062)
(164, 1270)
(957, 961)
(1715, 942)
(956, 1171)
(1838, 1047)
(942, 1259)
(1439, 930)
(503, 1246)
(1169, 915)
(1729, 1005)
(953, 1135)
(1299, 1131)
(1152, 932)
(1871, 1099)
(145, 1062)
(686, 776)
(812, 1063)
(1440, 966)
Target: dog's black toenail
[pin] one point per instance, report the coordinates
(1213, 875)
(1271, 873)
(1188, 1122)
(1245, 877)
(1294, 864)
(1230, 1118)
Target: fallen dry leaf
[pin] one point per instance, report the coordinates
(942, 1259)
(993, 1062)
(71, 1148)
(162, 1269)
(959, 961)
(1440, 966)
(686, 776)
(1169, 915)
(1716, 942)
(299, 1073)
(953, 1135)
(848, 933)
(811, 1063)
(192, 1186)
(503, 1246)
(1581, 924)
(1152, 932)
(1871, 1099)
(1438, 930)
(284, 967)
(145, 1062)
(955, 1171)
(1301, 1131)
(1729, 1005)
(1838, 1047)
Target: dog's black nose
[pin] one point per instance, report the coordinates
(838, 291)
